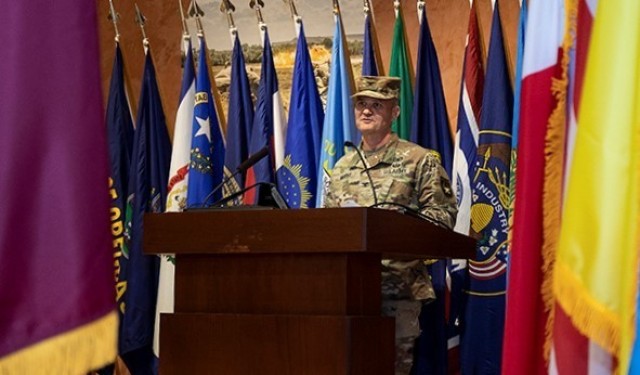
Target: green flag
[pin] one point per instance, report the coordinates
(400, 66)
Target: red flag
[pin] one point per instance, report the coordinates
(526, 315)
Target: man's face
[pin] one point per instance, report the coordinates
(374, 116)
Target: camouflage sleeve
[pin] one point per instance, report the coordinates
(330, 199)
(435, 195)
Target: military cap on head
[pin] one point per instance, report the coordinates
(377, 87)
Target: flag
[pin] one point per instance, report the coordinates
(177, 185)
(585, 354)
(58, 311)
(120, 139)
(465, 148)
(298, 176)
(371, 65)
(430, 129)
(401, 66)
(240, 116)
(430, 123)
(526, 311)
(339, 120)
(207, 145)
(268, 126)
(595, 277)
(522, 24)
(481, 342)
(147, 193)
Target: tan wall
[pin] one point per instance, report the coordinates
(447, 19)
(163, 29)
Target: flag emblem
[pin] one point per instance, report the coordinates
(294, 187)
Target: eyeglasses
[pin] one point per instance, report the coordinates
(372, 105)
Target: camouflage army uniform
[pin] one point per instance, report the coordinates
(407, 174)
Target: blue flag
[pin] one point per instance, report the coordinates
(522, 22)
(369, 54)
(240, 118)
(119, 132)
(339, 120)
(298, 177)
(207, 145)
(466, 147)
(120, 139)
(430, 129)
(147, 193)
(484, 324)
(267, 125)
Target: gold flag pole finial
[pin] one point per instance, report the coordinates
(141, 20)
(367, 7)
(196, 12)
(257, 5)
(228, 9)
(114, 17)
(336, 7)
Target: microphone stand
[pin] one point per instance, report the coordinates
(366, 169)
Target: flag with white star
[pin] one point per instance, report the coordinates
(207, 145)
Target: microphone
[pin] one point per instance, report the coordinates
(275, 194)
(251, 160)
(366, 169)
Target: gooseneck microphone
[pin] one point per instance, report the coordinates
(251, 160)
(366, 169)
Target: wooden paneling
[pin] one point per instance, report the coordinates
(276, 345)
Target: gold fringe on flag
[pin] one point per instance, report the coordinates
(78, 351)
(587, 313)
(554, 173)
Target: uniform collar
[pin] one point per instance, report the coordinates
(384, 154)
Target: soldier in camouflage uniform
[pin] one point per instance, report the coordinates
(403, 174)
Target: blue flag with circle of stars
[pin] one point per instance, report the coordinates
(481, 341)
(207, 145)
(298, 176)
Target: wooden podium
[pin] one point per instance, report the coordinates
(285, 292)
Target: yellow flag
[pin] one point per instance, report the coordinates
(596, 273)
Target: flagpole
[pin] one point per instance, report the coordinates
(368, 12)
(114, 17)
(338, 15)
(297, 19)
(228, 9)
(186, 35)
(141, 20)
(196, 12)
(257, 5)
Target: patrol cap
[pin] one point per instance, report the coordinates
(377, 87)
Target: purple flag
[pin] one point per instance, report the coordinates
(58, 296)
